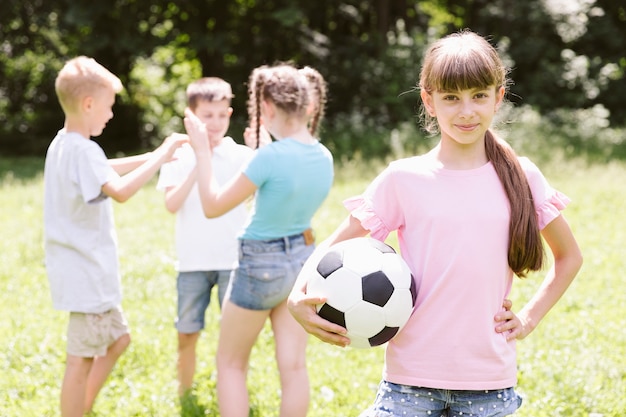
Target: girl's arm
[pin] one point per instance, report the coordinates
(215, 201)
(124, 187)
(302, 306)
(567, 262)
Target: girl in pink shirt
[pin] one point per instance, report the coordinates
(469, 216)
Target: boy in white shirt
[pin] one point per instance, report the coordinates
(207, 249)
(79, 231)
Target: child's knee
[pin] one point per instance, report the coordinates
(187, 340)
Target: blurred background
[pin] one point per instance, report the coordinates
(568, 60)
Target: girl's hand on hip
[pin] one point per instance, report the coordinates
(508, 322)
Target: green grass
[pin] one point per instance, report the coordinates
(573, 365)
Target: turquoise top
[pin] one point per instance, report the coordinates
(293, 179)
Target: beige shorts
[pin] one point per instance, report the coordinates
(90, 335)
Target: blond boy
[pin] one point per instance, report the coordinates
(79, 231)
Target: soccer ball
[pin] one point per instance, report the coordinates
(368, 287)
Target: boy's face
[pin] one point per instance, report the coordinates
(99, 110)
(216, 117)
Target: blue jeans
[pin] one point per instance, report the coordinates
(407, 401)
(194, 295)
(267, 271)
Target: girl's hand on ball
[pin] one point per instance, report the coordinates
(302, 308)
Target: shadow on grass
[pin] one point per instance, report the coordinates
(191, 407)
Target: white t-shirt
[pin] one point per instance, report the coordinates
(206, 244)
(79, 231)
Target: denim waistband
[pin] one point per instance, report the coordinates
(274, 245)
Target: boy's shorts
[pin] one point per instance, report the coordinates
(400, 400)
(267, 271)
(194, 295)
(90, 334)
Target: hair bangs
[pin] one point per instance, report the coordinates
(465, 70)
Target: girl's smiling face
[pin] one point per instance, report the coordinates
(464, 116)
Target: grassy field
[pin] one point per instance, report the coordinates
(573, 365)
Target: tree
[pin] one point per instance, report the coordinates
(369, 51)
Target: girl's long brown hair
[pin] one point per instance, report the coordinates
(465, 60)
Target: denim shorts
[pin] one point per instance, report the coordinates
(194, 295)
(267, 271)
(403, 400)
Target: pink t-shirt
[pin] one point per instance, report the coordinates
(453, 229)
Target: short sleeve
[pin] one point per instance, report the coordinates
(259, 168)
(361, 209)
(548, 201)
(175, 172)
(93, 171)
(378, 208)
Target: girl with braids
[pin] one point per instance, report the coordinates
(469, 215)
(256, 136)
(290, 179)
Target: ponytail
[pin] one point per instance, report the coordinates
(525, 245)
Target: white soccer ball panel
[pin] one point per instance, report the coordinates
(315, 286)
(365, 320)
(363, 258)
(399, 308)
(358, 342)
(342, 288)
(396, 270)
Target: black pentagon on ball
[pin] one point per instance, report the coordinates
(382, 246)
(377, 289)
(331, 262)
(383, 336)
(333, 315)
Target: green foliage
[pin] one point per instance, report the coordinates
(159, 83)
(562, 59)
(583, 133)
(573, 365)
(28, 65)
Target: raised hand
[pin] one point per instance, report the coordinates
(250, 139)
(171, 143)
(198, 137)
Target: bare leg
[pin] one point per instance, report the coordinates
(186, 360)
(239, 330)
(102, 367)
(74, 386)
(291, 341)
